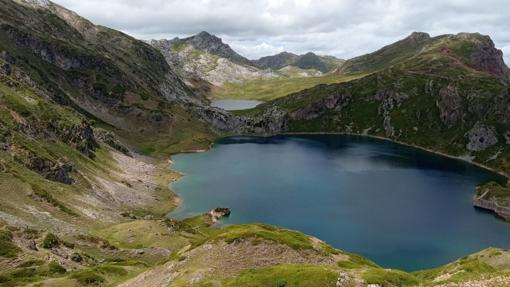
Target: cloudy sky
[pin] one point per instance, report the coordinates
(343, 28)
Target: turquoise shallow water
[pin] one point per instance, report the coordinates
(233, 105)
(401, 207)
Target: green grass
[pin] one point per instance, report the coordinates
(356, 261)
(88, 277)
(283, 276)
(385, 277)
(142, 234)
(266, 90)
(51, 241)
(55, 268)
(7, 248)
(486, 263)
(293, 239)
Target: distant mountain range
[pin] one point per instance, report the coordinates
(206, 56)
(309, 60)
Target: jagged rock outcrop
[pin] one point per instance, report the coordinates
(214, 45)
(111, 140)
(492, 205)
(485, 57)
(450, 105)
(272, 121)
(79, 136)
(204, 60)
(494, 197)
(58, 171)
(480, 137)
(335, 101)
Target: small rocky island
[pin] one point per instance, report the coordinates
(218, 213)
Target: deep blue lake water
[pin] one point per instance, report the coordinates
(401, 207)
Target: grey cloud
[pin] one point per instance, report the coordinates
(343, 28)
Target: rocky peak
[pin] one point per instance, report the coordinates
(476, 51)
(204, 35)
(214, 45)
(418, 36)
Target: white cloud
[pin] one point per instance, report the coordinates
(343, 28)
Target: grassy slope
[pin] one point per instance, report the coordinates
(266, 90)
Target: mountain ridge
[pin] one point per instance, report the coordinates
(308, 60)
(418, 42)
(207, 57)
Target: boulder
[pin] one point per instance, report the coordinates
(348, 280)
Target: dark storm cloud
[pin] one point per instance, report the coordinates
(344, 28)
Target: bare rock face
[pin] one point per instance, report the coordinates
(481, 137)
(388, 128)
(214, 45)
(348, 280)
(487, 58)
(335, 102)
(58, 171)
(273, 121)
(450, 106)
(389, 101)
(111, 140)
(80, 136)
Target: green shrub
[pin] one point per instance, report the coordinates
(7, 248)
(88, 277)
(50, 241)
(118, 90)
(56, 268)
(24, 273)
(5, 235)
